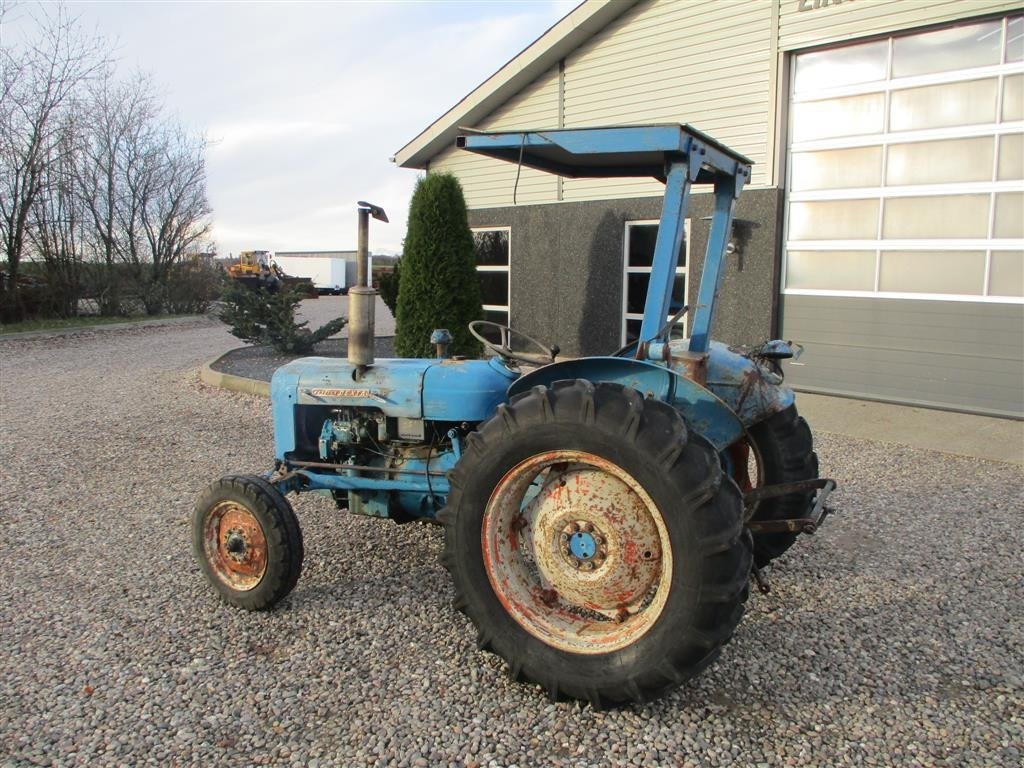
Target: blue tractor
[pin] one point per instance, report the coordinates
(604, 515)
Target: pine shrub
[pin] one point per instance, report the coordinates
(261, 317)
(439, 287)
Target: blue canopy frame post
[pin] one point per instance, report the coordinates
(726, 192)
(666, 249)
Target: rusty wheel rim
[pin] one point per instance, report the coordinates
(577, 552)
(235, 545)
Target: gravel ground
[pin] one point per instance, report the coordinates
(894, 637)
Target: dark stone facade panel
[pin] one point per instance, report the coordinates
(566, 268)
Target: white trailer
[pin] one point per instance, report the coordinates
(326, 272)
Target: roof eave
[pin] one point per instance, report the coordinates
(569, 33)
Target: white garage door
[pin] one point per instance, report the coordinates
(904, 253)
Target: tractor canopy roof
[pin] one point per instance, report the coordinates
(639, 150)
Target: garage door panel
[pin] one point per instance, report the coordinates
(906, 366)
(928, 391)
(862, 316)
(983, 349)
(932, 386)
(936, 397)
(950, 366)
(967, 341)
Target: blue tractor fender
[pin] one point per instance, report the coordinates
(749, 388)
(704, 412)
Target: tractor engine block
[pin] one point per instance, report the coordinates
(386, 448)
(351, 427)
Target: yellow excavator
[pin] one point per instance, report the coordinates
(256, 269)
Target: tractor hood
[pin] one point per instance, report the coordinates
(441, 390)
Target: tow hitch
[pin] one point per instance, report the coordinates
(808, 525)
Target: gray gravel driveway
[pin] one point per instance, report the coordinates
(894, 637)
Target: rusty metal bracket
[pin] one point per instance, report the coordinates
(357, 467)
(808, 524)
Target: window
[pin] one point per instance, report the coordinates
(905, 175)
(637, 261)
(492, 248)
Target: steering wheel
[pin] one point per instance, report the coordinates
(504, 348)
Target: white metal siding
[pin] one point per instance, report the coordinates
(489, 183)
(705, 62)
(688, 61)
(837, 22)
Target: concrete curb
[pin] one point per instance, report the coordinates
(231, 382)
(58, 332)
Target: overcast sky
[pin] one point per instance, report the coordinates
(304, 103)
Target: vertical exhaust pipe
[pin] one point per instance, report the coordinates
(362, 297)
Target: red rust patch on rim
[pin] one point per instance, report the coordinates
(236, 546)
(739, 455)
(539, 588)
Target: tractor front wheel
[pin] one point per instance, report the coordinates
(595, 543)
(247, 541)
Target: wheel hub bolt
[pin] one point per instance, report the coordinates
(583, 545)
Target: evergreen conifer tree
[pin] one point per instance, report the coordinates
(439, 287)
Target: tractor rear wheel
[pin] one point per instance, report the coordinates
(595, 543)
(783, 451)
(247, 540)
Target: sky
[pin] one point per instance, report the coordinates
(304, 103)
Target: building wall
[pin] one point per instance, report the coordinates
(489, 182)
(566, 268)
(711, 64)
(695, 62)
(724, 68)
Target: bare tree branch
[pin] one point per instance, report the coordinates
(91, 169)
(39, 82)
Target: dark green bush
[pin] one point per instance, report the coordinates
(439, 287)
(387, 286)
(184, 288)
(261, 317)
(191, 287)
